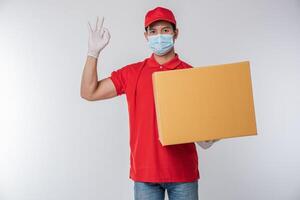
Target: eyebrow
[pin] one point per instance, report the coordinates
(151, 28)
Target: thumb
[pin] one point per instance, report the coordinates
(106, 33)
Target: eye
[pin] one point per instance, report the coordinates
(151, 32)
(166, 30)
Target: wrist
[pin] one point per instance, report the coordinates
(93, 54)
(91, 58)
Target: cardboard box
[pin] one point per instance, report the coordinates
(204, 103)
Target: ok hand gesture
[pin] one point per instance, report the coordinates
(98, 38)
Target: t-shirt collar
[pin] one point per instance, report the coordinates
(171, 64)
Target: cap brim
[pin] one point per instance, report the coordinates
(158, 19)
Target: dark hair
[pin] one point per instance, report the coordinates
(173, 26)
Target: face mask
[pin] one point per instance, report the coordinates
(161, 44)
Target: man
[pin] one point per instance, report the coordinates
(153, 168)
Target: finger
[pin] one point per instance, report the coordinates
(90, 27)
(104, 32)
(100, 24)
(96, 28)
(108, 34)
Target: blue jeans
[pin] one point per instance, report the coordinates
(156, 191)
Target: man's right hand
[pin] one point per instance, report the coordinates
(98, 38)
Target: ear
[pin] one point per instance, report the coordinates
(146, 35)
(176, 33)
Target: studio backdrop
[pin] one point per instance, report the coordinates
(55, 145)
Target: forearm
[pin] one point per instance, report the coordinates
(89, 79)
(98, 39)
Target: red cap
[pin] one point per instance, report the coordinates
(159, 13)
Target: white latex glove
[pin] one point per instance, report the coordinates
(207, 143)
(98, 38)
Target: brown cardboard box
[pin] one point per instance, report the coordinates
(204, 103)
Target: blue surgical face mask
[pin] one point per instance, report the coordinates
(161, 44)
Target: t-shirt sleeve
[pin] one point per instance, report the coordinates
(119, 80)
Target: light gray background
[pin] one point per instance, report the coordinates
(55, 145)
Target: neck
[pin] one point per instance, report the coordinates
(165, 58)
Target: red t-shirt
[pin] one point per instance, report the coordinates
(149, 160)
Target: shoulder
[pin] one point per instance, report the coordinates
(132, 67)
(127, 70)
(135, 65)
(185, 65)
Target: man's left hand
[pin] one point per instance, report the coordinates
(207, 143)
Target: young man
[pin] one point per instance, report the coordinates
(153, 168)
